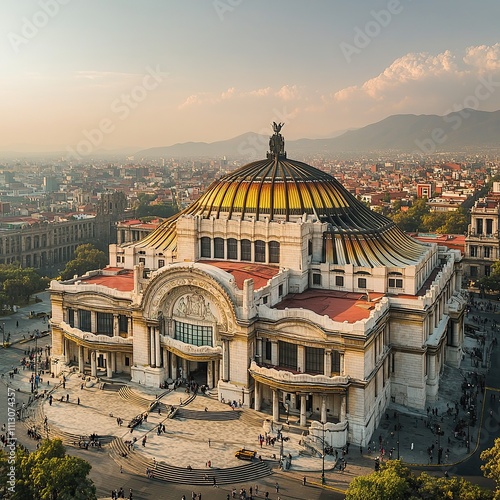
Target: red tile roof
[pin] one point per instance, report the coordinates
(260, 273)
(124, 282)
(339, 306)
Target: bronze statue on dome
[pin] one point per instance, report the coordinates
(276, 142)
(277, 127)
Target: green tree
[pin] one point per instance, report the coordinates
(492, 282)
(49, 474)
(87, 258)
(395, 481)
(456, 222)
(392, 482)
(491, 468)
(18, 284)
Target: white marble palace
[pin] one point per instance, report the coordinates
(279, 290)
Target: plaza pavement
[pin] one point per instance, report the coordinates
(186, 441)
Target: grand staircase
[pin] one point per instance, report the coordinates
(136, 463)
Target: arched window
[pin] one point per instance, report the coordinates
(218, 248)
(205, 247)
(260, 251)
(274, 252)
(246, 250)
(232, 248)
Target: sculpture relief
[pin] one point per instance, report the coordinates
(194, 305)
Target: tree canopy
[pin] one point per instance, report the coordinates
(145, 207)
(492, 282)
(395, 481)
(419, 218)
(49, 474)
(87, 258)
(18, 284)
(491, 468)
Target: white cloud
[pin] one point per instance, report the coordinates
(288, 92)
(483, 57)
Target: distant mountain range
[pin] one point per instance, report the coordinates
(465, 130)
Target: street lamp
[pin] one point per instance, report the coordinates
(323, 455)
(440, 451)
(398, 434)
(468, 432)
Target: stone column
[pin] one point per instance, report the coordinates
(130, 332)
(343, 408)
(81, 361)
(93, 322)
(77, 319)
(152, 355)
(257, 396)
(174, 373)
(303, 417)
(341, 364)
(185, 368)
(210, 373)
(109, 367)
(116, 326)
(113, 362)
(216, 373)
(274, 353)
(93, 364)
(323, 416)
(276, 406)
(157, 347)
(328, 362)
(260, 354)
(225, 360)
(301, 358)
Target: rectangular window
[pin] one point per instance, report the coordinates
(71, 317)
(123, 323)
(287, 355)
(260, 251)
(315, 360)
(232, 249)
(274, 252)
(473, 271)
(161, 263)
(479, 226)
(316, 279)
(218, 248)
(205, 247)
(489, 226)
(127, 361)
(361, 282)
(280, 290)
(265, 299)
(487, 270)
(84, 320)
(395, 283)
(473, 251)
(339, 281)
(198, 335)
(142, 260)
(487, 252)
(105, 324)
(268, 350)
(246, 250)
(335, 362)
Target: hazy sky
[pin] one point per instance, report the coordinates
(130, 73)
